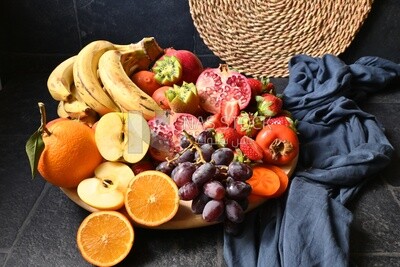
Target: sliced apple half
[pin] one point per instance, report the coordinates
(106, 191)
(122, 136)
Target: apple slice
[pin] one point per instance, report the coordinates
(122, 136)
(106, 191)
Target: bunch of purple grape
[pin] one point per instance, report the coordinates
(211, 177)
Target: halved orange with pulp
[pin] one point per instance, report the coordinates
(152, 198)
(105, 238)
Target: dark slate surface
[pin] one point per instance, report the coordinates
(38, 223)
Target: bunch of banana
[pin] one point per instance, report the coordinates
(115, 67)
(96, 80)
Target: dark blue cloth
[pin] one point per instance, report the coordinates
(341, 146)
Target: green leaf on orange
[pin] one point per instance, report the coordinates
(34, 148)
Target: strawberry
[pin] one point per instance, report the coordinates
(251, 149)
(141, 166)
(260, 86)
(227, 137)
(248, 124)
(239, 156)
(269, 105)
(229, 111)
(214, 121)
(281, 119)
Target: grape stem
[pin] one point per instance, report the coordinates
(196, 146)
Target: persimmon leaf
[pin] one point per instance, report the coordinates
(34, 148)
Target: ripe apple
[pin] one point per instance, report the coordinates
(122, 136)
(106, 191)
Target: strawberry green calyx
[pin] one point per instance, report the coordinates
(239, 156)
(268, 105)
(249, 124)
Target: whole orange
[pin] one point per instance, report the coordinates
(70, 154)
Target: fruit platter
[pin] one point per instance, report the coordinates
(151, 135)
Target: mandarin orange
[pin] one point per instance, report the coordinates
(70, 154)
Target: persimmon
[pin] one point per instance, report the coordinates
(145, 80)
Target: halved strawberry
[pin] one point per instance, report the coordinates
(250, 148)
(229, 111)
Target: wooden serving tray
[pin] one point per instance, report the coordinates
(184, 218)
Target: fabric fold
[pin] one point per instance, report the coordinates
(341, 147)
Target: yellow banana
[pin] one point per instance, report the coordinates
(86, 80)
(61, 111)
(114, 76)
(60, 80)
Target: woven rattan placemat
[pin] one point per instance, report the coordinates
(259, 37)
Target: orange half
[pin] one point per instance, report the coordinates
(152, 198)
(105, 238)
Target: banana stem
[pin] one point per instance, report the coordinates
(43, 118)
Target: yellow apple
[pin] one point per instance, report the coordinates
(122, 136)
(106, 191)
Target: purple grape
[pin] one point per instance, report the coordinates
(188, 155)
(199, 202)
(184, 142)
(182, 173)
(188, 191)
(237, 189)
(214, 190)
(213, 210)
(222, 156)
(207, 151)
(220, 174)
(240, 171)
(206, 137)
(233, 211)
(204, 173)
(165, 167)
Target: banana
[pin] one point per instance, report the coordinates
(60, 80)
(61, 111)
(114, 66)
(86, 80)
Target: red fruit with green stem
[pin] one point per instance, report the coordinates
(261, 86)
(269, 105)
(248, 124)
(227, 137)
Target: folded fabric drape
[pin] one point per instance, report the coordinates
(341, 146)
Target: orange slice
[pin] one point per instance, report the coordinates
(152, 198)
(105, 238)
